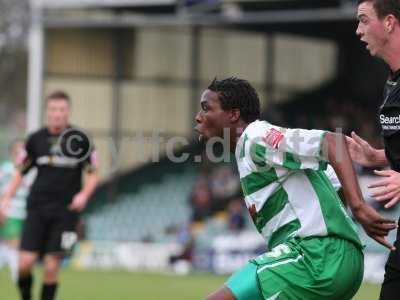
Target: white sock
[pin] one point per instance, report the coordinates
(3, 255)
(12, 260)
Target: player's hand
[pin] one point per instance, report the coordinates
(390, 187)
(376, 226)
(361, 151)
(78, 202)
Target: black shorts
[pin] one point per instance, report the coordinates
(391, 283)
(49, 231)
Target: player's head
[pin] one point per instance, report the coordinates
(378, 22)
(58, 109)
(226, 103)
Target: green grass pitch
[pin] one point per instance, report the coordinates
(84, 285)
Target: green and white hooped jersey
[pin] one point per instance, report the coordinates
(17, 208)
(286, 189)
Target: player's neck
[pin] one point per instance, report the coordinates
(56, 129)
(235, 133)
(392, 55)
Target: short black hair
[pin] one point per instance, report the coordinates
(236, 93)
(58, 95)
(385, 7)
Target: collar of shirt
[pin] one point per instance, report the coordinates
(394, 76)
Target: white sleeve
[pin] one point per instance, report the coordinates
(288, 148)
(331, 174)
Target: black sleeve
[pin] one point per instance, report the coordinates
(27, 158)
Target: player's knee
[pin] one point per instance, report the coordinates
(50, 274)
(214, 297)
(25, 263)
(221, 294)
(50, 268)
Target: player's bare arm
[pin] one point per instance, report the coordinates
(376, 226)
(80, 199)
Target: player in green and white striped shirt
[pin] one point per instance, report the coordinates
(314, 251)
(12, 218)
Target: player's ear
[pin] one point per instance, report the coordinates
(389, 23)
(235, 115)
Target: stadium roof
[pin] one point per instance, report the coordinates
(319, 18)
(296, 16)
(101, 3)
(245, 4)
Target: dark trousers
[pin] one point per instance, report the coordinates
(391, 284)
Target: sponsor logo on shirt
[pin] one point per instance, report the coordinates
(57, 161)
(390, 123)
(68, 240)
(273, 138)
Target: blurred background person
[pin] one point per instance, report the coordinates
(12, 217)
(237, 219)
(61, 154)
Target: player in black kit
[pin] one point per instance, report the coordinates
(61, 153)
(379, 28)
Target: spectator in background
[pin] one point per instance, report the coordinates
(224, 185)
(13, 217)
(182, 261)
(200, 200)
(236, 217)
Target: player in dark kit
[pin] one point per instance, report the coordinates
(379, 28)
(61, 153)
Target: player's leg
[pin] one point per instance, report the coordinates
(3, 251)
(326, 268)
(12, 258)
(3, 246)
(391, 283)
(31, 243)
(222, 294)
(60, 238)
(13, 240)
(51, 267)
(242, 285)
(273, 267)
(26, 260)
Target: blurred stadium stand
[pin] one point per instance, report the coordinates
(144, 212)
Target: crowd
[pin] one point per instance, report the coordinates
(213, 192)
(336, 114)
